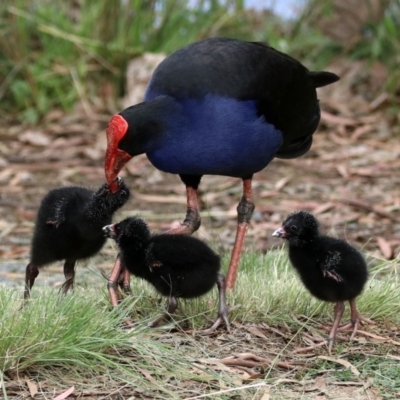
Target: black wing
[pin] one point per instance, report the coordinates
(56, 215)
(329, 266)
(151, 257)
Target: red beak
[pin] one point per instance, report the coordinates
(115, 159)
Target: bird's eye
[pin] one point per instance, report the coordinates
(293, 228)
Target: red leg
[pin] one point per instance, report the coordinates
(338, 311)
(118, 270)
(31, 274)
(192, 221)
(126, 281)
(245, 211)
(355, 319)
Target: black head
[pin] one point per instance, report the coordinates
(299, 227)
(135, 131)
(132, 230)
(113, 201)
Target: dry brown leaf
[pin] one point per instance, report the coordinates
(35, 138)
(362, 130)
(265, 395)
(350, 383)
(319, 384)
(381, 339)
(147, 375)
(345, 363)
(343, 170)
(65, 394)
(397, 358)
(287, 380)
(323, 208)
(282, 182)
(385, 247)
(337, 120)
(217, 364)
(256, 332)
(33, 388)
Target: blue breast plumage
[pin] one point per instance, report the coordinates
(215, 135)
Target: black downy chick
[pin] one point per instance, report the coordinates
(69, 227)
(331, 269)
(178, 266)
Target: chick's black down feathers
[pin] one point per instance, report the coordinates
(178, 266)
(331, 269)
(69, 227)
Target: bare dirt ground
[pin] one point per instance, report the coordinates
(349, 179)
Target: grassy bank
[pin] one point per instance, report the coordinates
(57, 342)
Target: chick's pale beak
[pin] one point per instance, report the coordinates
(109, 231)
(281, 233)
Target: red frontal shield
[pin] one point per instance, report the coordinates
(115, 158)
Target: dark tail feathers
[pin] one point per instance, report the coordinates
(322, 78)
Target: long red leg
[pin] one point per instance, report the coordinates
(355, 320)
(338, 314)
(338, 311)
(112, 285)
(126, 281)
(192, 221)
(245, 210)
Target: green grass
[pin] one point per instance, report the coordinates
(65, 56)
(78, 338)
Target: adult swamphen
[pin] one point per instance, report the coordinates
(220, 107)
(331, 269)
(69, 227)
(177, 266)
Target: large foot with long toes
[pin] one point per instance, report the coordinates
(338, 312)
(171, 308)
(223, 310)
(355, 321)
(318, 342)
